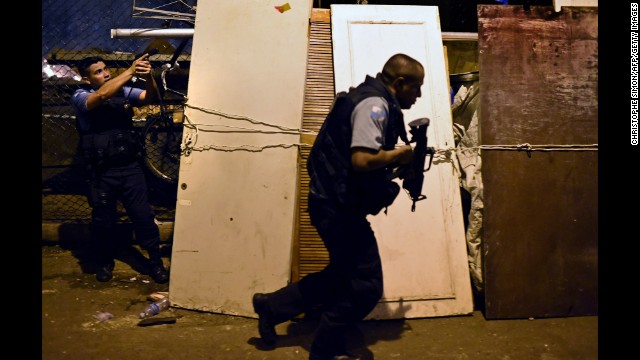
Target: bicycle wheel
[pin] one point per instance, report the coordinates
(161, 147)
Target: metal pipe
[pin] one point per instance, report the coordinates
(151, 33)
(187, 33)
(459, 36)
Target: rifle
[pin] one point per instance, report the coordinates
(413, 172)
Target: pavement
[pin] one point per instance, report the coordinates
(85, 319)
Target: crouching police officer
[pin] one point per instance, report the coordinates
(111, 154)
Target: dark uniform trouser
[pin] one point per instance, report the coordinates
(347, 289)
(128, 184)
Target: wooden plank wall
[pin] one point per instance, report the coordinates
(309, 253)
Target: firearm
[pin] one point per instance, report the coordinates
(148, 51)
(412, 173)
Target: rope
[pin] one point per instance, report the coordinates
(249, 148)
(528, 148)
(444, 154)
(547, 147)
(246, 118)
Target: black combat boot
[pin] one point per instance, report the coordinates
(156, 266)
(104, 271)
(266, 326)
(103, 253)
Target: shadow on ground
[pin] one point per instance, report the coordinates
(300, 333)
(76, 239)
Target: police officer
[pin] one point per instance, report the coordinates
(350, 166)
(111, 154)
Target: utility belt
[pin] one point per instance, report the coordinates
(110, 148)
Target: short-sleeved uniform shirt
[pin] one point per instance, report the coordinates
(83, 115)
(369, 121)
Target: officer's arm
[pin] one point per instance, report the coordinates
(364, 159)
(150, 95)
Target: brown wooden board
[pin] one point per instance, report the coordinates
(309, 253)
(539, 86)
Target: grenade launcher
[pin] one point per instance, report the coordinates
(412, 173)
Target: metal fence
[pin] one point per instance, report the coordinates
(72, 30)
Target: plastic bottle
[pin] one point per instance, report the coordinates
(155, 308)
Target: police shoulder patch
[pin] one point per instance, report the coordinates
(378, 113)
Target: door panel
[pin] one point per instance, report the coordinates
(236, 200)
(540, 86)
(423, 252)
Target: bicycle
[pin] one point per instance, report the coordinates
(161, 135)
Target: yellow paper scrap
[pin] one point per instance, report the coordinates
(283, 8)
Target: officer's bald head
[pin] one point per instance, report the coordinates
(401, 65)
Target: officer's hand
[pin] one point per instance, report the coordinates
(142, 66)
(405, 154)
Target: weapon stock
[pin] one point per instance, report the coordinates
(413, 173)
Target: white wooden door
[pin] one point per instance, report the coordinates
(236, 199)
(423, 253)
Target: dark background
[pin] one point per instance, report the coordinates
(61, 20)
(455, 15)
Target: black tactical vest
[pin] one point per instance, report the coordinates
(329, 164)
(110, 139)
